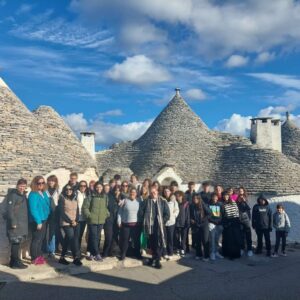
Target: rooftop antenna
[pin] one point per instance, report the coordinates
(177, 90)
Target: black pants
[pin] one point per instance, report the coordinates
(133, 233)
(38, 237)
(180, 238)
(94, 238)
(202, 240)
(81, 229)
(71, 239)
(246, 237)
(266, 234)
(280, 235)
(170, 239)
(111, 233)
(155, 242)
(15, 250)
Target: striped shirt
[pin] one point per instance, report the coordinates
(231, 210)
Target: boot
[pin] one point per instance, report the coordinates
(157, 264)
(17, 264)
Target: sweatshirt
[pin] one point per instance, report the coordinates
(39, 207)
(174, 211)
(281, 221)
(262, 216)
(216, 213)
(128, 212)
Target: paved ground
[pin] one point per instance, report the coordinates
(255, 278)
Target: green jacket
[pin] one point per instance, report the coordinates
(95, 208)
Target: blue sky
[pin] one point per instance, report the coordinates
(111, 66)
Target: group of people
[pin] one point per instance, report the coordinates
(137, 218)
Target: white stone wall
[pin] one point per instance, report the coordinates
(261, 134)
(88, 141)
(63, 177)
(276, 137)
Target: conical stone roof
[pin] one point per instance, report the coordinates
(291, 140)
(28, 148)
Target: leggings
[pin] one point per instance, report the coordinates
(38, 237)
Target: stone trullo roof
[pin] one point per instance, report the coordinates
(35, 143)
(178, 137)
(291, 140)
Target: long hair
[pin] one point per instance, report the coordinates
(181, 194)
(199, 206)
(245, 191)
(55, 179)
(34, 183)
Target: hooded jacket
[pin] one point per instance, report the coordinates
(174, 211)
(16, 215)
(281, 221)
(262, 216)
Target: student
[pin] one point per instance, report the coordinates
(73, 182)
(53, 235)
(154, 214)
(39, 210)
(262, 223)
(124, 190)
(157, 185)
(245, 218)
(106, 189)
(199, 223)
(144, 193)
(134, 183)
(111, 229)
(282, 225)
(205, 194)
(118, 179)
(130, 224)
(174, 187)
(219, 191)
(215, 226)
(95, 211)
(16, 216)
(232, 194)
(112, 184)
(91, 186)
(82, 194)
(231, 243)
(190, 192)
(69, 217)
(182, 223)
(147, 183)
(170, 225)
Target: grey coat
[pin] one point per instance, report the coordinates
(16, 215)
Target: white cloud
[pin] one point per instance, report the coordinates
(59, 31)
(235, 61)
(287, 81)
(111, 113)
(264, 57)
(24, 9)
(196, 94)
(107, 133)
(139, 70)
(236, 124)
(223, 27)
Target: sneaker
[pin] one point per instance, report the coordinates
(197, 257)
(98, 258)
(63, 261)
(249, 253)
(213, 256)
(242, 252)
(17, 265)
(90, 257)
(77, 262)
(157, 264)
(205, 259)
(274, 255)
(182, 253)
(178, 252)
(283, 254)
(167, 257)
(218, 255)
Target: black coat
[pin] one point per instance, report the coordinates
(245, 213)
(16, 215)
(195, 215)
(183, 218)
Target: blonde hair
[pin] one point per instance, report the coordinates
(34, 183)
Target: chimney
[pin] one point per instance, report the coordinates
(287, 115)
(88, 141)
(177, 90)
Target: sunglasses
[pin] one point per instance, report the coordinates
(41, 183)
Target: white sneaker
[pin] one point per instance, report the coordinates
(205, 259)
(167, 257)
(212, 256)
(283, 254)
(242, 252)
(218, 255)
(182, 253)
(249, 253)
(275, 255)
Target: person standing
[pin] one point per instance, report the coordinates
(39, 210)
(16, 216)
(262, 223)
(130, 224)
(73, 182)
(170, 225)
(282, 225)
(154, 215)
(245, 217)
(205, 194)
(95, 211)
(69, 216)
(199, 222)
(53, 235)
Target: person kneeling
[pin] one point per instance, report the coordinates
(69, 216)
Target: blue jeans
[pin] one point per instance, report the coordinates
(94, 238)
(215, 232)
